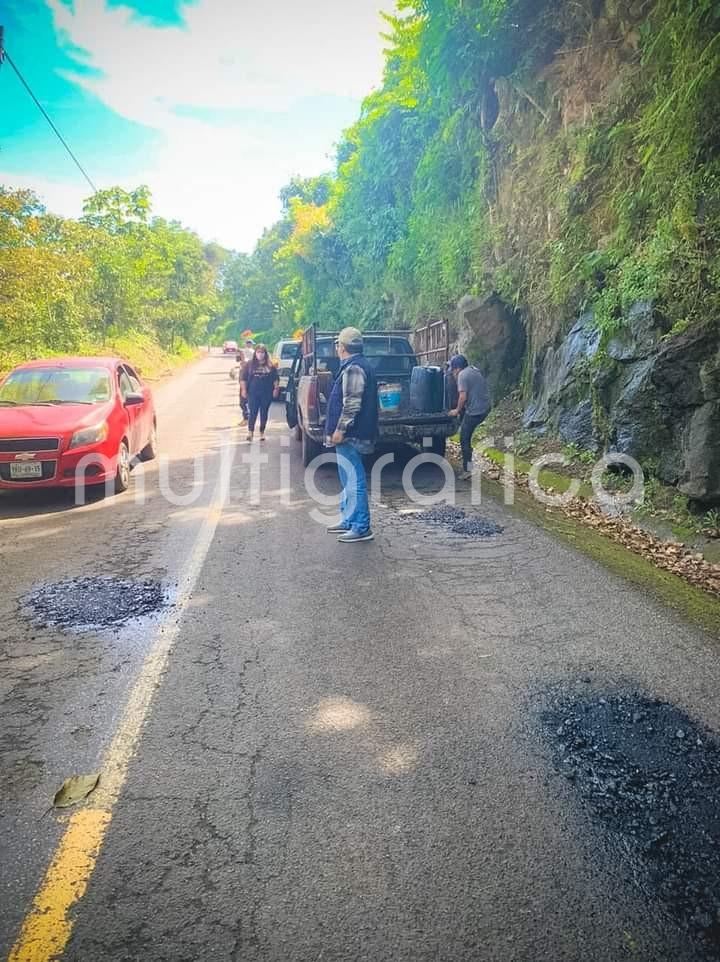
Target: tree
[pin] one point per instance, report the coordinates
(43, 290)
(67, 285)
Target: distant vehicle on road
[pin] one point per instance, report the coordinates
(230, 347)
(285, 352)
(406, 415)
(74, 419)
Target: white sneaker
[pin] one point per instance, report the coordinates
(351, 537)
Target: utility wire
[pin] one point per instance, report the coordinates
(4, 55)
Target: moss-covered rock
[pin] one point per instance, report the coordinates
(490, 335)
(652, 397)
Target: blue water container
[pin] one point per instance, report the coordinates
(389, 398)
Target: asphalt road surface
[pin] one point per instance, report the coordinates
(331, 752)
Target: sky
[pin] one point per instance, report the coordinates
(214, 104)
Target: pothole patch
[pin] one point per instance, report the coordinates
(440, 514)
(458, 521)
(91, 604)
(476, 527)
(652, 776)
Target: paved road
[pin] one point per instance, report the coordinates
(341, 760)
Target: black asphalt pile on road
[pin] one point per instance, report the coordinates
(90, 604)
(652, 777)
(475, 527)
(459, 522)
(440, 514)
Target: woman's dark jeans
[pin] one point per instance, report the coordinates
(259, 406)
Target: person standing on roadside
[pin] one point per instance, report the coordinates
(351, 426)
(473, 406)
(259, 386)
(240, 365)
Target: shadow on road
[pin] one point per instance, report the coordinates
(427, 478)
(28, 504)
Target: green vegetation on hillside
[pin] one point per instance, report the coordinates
(563, 156)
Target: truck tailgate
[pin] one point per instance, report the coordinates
(414, 418)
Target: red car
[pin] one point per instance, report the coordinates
(74, 419)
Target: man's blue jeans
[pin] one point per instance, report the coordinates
(354, 508)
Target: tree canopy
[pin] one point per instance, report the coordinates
(69, 285)
(560, 156)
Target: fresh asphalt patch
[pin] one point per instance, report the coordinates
(458, 521)
(651, 776)
(476, 527)
(91, 604)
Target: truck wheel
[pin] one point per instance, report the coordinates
(438, 446)
(310, 448)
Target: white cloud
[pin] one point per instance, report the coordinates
(59, 196)
(231, 53)
(237, 55)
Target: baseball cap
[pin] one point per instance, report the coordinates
(351, 339)
(458, 362)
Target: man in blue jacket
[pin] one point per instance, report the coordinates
(351, 426)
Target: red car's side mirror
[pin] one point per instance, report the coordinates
(133, 399)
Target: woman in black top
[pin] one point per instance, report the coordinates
(259, 385)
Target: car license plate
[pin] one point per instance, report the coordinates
(27, 469)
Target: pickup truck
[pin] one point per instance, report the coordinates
(285, 352)
(392, 355)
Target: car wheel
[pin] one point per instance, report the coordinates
(150, 451)
(298, 432)
(439, 444)
(310, 449)
(122, 475)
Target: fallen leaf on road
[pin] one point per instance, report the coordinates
(75, 789)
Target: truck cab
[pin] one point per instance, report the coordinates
(394, 359)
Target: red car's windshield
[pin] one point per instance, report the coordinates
(41, 385)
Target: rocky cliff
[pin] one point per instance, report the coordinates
(604, 204)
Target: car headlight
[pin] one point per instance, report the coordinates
(94, 435)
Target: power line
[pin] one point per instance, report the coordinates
(4, 55)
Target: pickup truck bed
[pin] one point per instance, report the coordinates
(392, 356)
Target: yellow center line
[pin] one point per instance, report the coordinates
(47, 926)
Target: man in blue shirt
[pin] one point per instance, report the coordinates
(351, 426)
